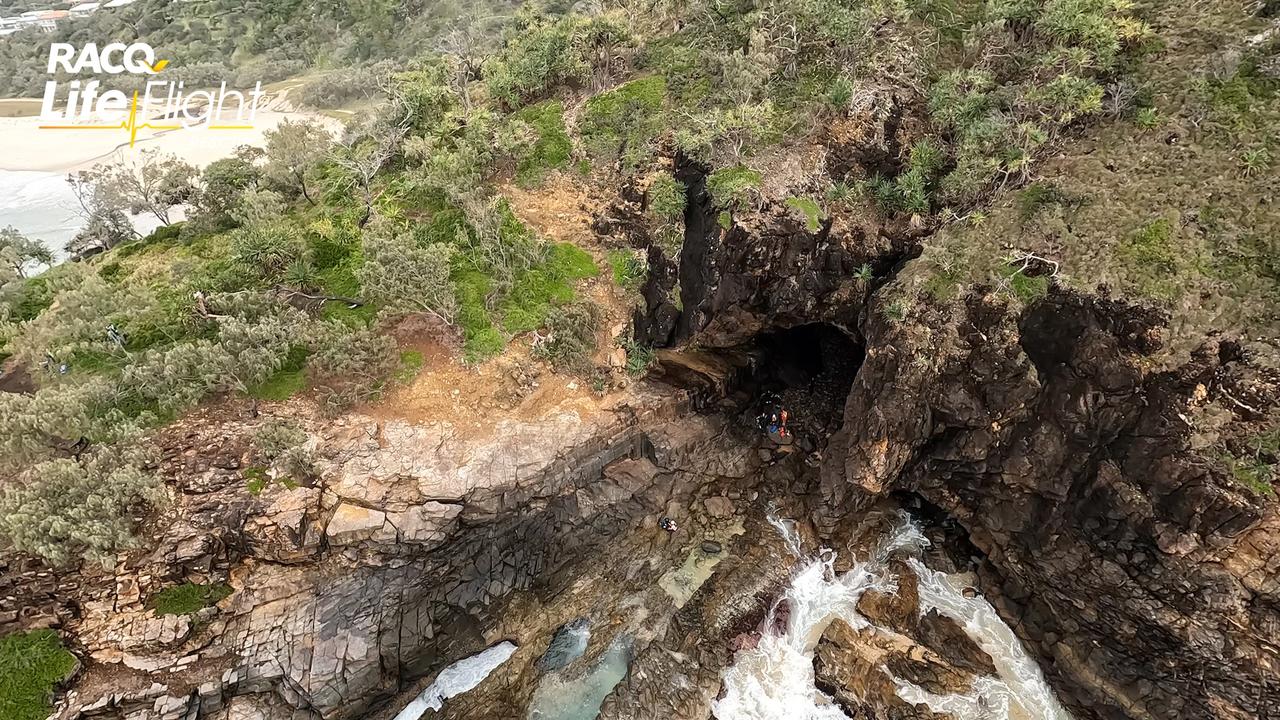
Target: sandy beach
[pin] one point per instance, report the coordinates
(34, 195)
(28, 147)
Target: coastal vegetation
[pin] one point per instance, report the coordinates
(297, 259)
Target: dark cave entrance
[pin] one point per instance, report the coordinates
(811, 368)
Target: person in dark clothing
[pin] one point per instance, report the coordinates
(668, 524)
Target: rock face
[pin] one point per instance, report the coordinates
(765, 270)
(1123, 559)
(409, 554)
(1145, 579)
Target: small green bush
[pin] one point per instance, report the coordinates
(639, 357)
(266, 251)
(629, 271)
(571, 336)
(620, 124)
(187, 598)
(731, 186)
(550, 147)
(912, 191)
(31, 666)
(809, 210)
(1148, 118)
(667, 197)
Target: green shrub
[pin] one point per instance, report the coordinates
(1255, 161)
(549, 53)
(187, 598)
(61, 509)
(548, 147)
(267, 250)
(404, 276)
(629, 271)
(665, 203)
(620, 124)
(639, 357)
(571, 336)
(666, 198)
(809, 211)
(1148, 118)
(349, 365)
(282, 443)
(32, 664)
(731, 186)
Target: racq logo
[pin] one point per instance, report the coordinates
(85, 106)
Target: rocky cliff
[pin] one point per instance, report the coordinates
(416, 548)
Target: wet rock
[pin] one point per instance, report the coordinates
(895, 610)
(852, 666)
(718, 507)
(945, 637)
(711, 547)
(567, 644)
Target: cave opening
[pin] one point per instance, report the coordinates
(811, 369)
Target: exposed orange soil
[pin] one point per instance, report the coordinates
(514, 384)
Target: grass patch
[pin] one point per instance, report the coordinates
(480, 339)
(486, 324)
(288, 381)
(537, 290)
(31, 666)
(809, 210)
(411, 363)
(340, 280)
(187, 598)
(1251, 473)
(731, 185)
(943, 285)
(619, 124)
(628, 270)
(1027, 288)
(1150, 256)
(550, 149)
(257, 480)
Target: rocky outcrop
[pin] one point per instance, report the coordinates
(762, 271)
(1142, 576)
(416, 548)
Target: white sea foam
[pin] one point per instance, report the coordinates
(775, 679)
(457, 679)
